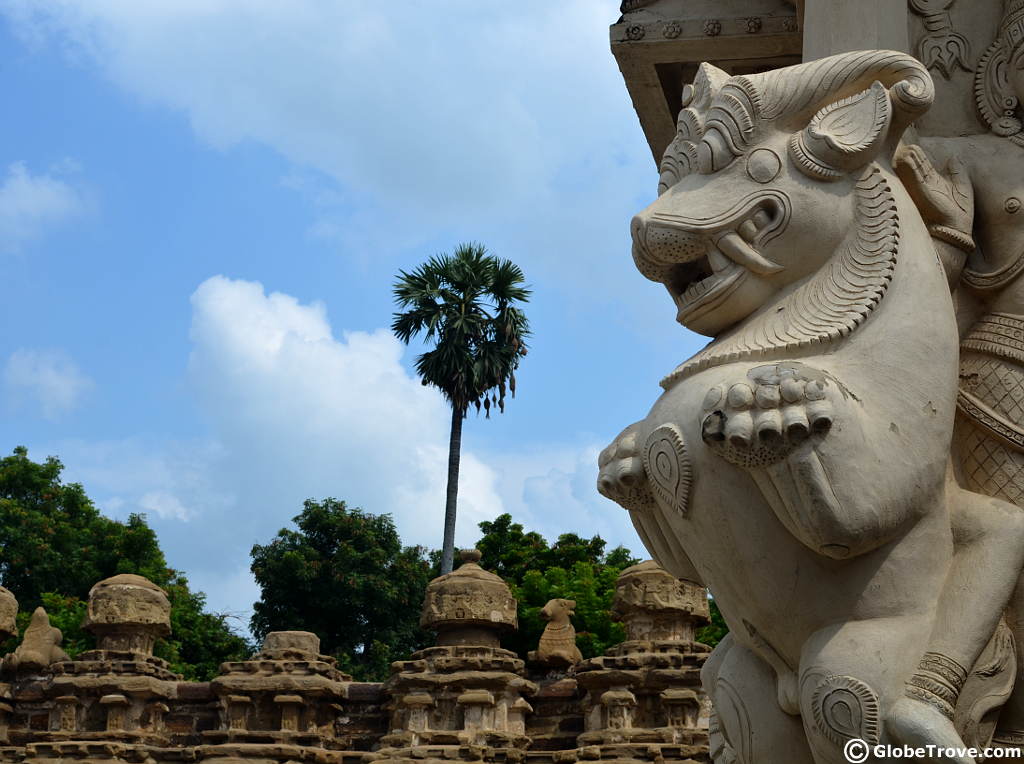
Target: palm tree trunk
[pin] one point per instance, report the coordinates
(454, 454)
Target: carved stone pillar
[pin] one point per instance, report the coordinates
(64, 717)
(157, 712)
(291, 710)
(238, 712)
(619, 705)
(117, 711)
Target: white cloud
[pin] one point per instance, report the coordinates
(30, 204)
(302, 413)
(165, 505)
(49, 378)
(380, 98)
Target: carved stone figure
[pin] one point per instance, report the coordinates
(799, 464)
(558, 642)
(39, 648)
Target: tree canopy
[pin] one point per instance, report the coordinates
(55, 544)
(466, 303)
(345, 575)
(574, 568)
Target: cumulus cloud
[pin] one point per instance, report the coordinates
(301, 413)
(29, 204)
(48, 378)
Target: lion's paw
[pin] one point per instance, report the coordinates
(760, 419)
(622, 477)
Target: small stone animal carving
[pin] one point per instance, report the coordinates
(558, 642)
(40, 646)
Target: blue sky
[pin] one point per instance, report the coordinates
(203, 204)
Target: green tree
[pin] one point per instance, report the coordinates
(345, 575)
(715, 631)
(55, 544)
(573, 568)
(466, 303)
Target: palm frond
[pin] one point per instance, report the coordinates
(466, 304)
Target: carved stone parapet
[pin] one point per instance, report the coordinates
(465, 697)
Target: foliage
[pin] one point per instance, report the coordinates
(715, 631)
(344, 575)
(466, 304)
(55, 544)
(573, 568)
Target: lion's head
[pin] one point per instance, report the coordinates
(765, 183)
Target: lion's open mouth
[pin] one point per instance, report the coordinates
(700, 284)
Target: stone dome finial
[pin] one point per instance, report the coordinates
(469, 606)
(654, 604)
(128, 613)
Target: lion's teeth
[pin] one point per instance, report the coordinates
(761, 219)
(739, 251)
(748, 230)
(718, 261)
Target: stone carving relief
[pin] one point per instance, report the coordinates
(941, 48)
(797, 465)
(39, 648)
(968, 189)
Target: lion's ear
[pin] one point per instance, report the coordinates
(844, 135)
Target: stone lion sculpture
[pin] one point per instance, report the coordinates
(799, 465)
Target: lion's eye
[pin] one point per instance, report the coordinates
(763, 165)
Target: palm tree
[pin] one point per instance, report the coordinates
(465, 303)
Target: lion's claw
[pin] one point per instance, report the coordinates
(622, 476)
(776, 407)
